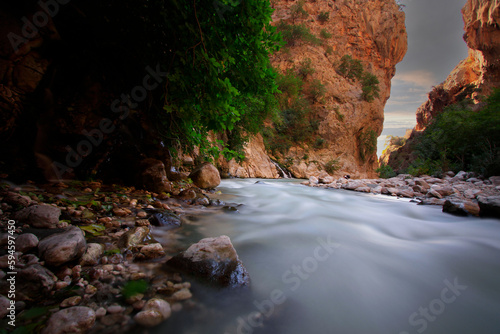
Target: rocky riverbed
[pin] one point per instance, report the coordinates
(461, 194)
(85, 260)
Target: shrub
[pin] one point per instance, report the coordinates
(289, 84)
(323, 17)
(367, 143)
(385, 172)
(325, 34)
(305, 68)
(293, 34)
(317, 90)
(370, 88)
(319, 142)
(297, 11)
(340, 116)
(350, 68)
(329, 50)
(332, 166)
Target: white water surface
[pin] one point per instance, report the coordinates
(391, 266)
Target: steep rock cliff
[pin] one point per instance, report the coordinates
(370, 31)
(474, 77)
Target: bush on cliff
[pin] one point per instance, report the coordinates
(462, 139)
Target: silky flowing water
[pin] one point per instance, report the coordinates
(333, 261)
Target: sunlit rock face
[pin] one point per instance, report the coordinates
(373, 32)
(473, 77)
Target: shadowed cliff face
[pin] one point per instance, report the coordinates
(473, 77)
(370, 31)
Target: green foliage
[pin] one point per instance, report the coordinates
(305, 68)
(340, 116)
(329, 50)
(325, 34)
(318, 143)
(367, 143)
(316, 90)
(370, 87)
(332, 166)
(462, 139)
(350, 68)
(297, 11)
(94, 229)
(133, 288)
(289, 84)
(219, 74)
(323, 17)
(294, 34)
(395, 141)
(385, 172)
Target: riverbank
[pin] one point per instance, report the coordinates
(80, 256)
(460, 194)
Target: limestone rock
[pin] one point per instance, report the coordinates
(205, 176)
(214, 260)
(26, 242)
(63, 247)
(34, 281)
(74, 320)
(39, 216)
(489, 206)
(153, 177)
(92, 254)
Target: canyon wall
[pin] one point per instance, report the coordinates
(370, 31)
(473, 78)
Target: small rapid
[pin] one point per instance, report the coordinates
(333, 261)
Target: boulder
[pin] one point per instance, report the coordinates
(455, 208)
(166, 219)
(214, 260)
(153, 177)
(26, 242)
(39, 216)
(34, 281)
(74, 320)
(205, 176)
(495, 180)
(92, 254)
(313, 180)
(60, 248)
(489, 206)
(16, 199)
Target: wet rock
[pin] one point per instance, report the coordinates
(313, 180)
(92, 254)
(4, 304)
(153, 251)
(187, 195)
(166, 219)
(489, 206)
(34, 281)
(74, 320)
(159, 305)
(214, 260)
(26, 242)
(63, 247)
(153, 176)
(354, 184)
(71, 301)
(455, 208)
(39, 216)
(17, 200)
(205, 176)
(154, 312)
(182, 294)
(136, 236)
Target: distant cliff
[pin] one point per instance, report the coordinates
(372, 32)
(474, 77)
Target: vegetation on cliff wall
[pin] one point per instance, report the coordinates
(460, 138)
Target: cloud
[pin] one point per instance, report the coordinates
(419, 78)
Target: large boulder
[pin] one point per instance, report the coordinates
(205, 176)
(39, 216)
(214, 260)
(74, 320)
(34, 281)
(489, 206)
(63, 247)
(153, 177)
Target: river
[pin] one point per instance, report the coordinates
(333, 261)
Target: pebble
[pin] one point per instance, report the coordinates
(71, 301)
(182, 294)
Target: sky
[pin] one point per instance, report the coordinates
(435, 47)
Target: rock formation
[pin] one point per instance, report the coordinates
(473, 77)
(370, 31)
